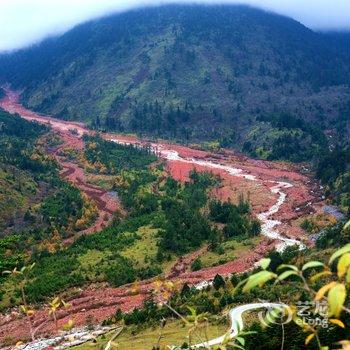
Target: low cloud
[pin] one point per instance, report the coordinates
(24, 22)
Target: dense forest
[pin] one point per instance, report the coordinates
(333, 171)
(190, 73)
(36, 204)
(283, 136)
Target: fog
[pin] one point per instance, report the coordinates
(23, 22)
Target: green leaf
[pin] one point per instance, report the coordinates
(286, 274)
(340, 252)
(311, 265)
(248, 333)
(348, 277)
(267, 320)
(241, 340)
(347, 225)
(258, 279)
(240, 284)
(319, 275)
(264, 263)
(336, 299)
(343, 264)
(290, 267)
(270, 317)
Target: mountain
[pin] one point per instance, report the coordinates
(103, 238)
(191, 73)
(340, 38)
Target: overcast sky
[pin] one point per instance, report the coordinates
(23, 22)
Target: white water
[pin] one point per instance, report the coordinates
(268, 229)
(268, 226)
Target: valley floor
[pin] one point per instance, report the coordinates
(256, 181)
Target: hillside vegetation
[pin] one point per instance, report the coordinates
(191, 72)
(165, 219)
(36, 205)
(231, 75)
(304, 280)
(26, 175)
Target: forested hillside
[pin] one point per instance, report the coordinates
(165, 219)
(170, 235)
(35, 203)
(191, 72)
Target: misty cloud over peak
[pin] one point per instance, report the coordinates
(24, 22)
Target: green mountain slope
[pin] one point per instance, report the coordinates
(31, 191)
(189, 72)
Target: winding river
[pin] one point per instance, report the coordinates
(269, 227)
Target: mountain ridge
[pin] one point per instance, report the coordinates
(188, 72)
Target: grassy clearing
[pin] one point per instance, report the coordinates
(144, 250)
(173, 333)
(228, 251)
(93, 261)
(104, 181)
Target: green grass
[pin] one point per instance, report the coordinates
(174, 333)
(231, 250)
(16, 189)
(93, 261)
(104, 181)
(145, 249)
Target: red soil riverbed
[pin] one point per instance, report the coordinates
(106, 204)
(98, 302)
(101, 301)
